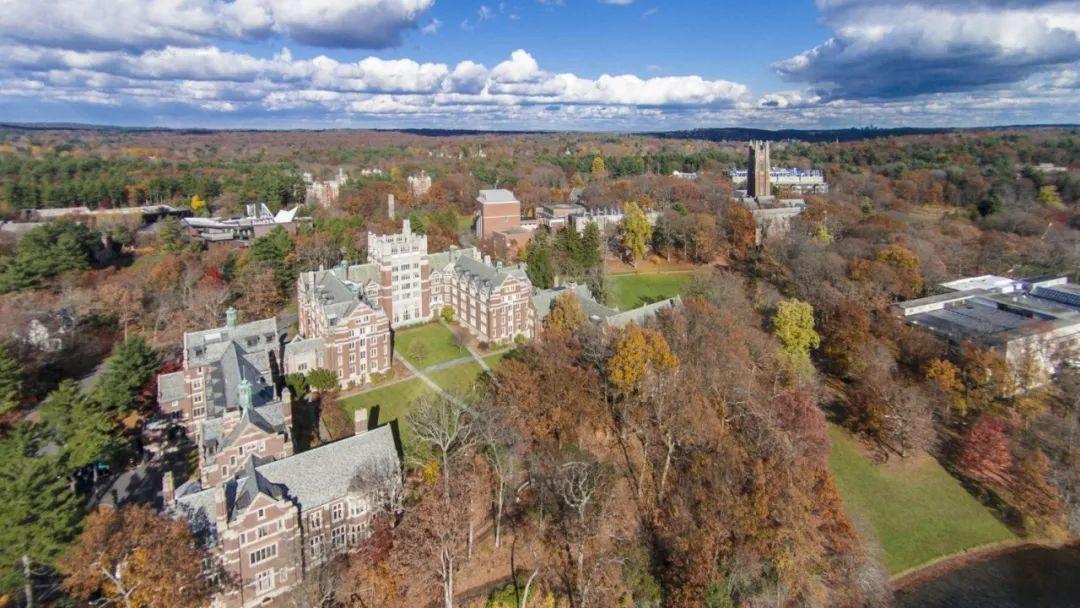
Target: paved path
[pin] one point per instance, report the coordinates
(428, 381)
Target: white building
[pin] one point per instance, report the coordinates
(795, 180)
(419, 184)
(404, 257)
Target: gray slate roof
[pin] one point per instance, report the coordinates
(543, 301)
(326, 473)
(500, 195)
(310, 479)
(170, 387)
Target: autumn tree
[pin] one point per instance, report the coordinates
(741, 230)
(907, 267)
(133, 558)
(635, 232)
(637, 354)
(984, 453)
(566, 314)
(793, 325)
(1033, 492)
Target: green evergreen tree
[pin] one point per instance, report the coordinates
(538, 263)
(47, 251)
(87, 432)
(128, 369)
(39, 512)
(10, 380)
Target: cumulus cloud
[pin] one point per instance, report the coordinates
(143, 24)
(883, 49)
(219, 80)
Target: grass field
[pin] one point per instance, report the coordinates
(917, 510)
(392, 400)
(457, 379)
(629, 291)
(436, 337)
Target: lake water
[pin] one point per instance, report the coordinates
(1025, 579)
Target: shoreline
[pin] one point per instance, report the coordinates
(919, 575)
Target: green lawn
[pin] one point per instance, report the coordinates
(393, 400)
(629, 291)
(917, 510)
(493, 361)
(438, 340)
(457, 379)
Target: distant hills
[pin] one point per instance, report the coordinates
(706, 134)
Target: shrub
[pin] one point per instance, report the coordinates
(322, 379)
(447, 313)
(298, 385)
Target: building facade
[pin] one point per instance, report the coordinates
(499, 210)
(270, 524)
(401, 285)
(215, 364)
(1033, 323)
(757, 170)
(342, 326)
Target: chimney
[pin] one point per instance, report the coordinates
(220, 511)
(168, 489)
(390, 206)
(230, 318)
(487, 260)
(360, 421)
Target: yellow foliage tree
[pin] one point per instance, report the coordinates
(635, 232)
(638, 353)
(598, 167)
(566, 315)
(197, 203)
(794, 326)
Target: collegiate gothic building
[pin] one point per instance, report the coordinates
(346, 312)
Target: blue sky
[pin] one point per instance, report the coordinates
(549, 64)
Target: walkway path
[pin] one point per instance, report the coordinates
(428, 381)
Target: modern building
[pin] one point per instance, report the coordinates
(271, 523)
(258, 221)
(499, 210)
(1033, 323)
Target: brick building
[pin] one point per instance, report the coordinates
(342, 326)
(215, 363)
(401, 285)
(499, 210)
(272, 523)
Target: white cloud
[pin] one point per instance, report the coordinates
(884, 49)
(431, 28)
(141, 24)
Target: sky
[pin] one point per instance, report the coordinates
(595, 65)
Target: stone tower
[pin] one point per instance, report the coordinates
(757, 173)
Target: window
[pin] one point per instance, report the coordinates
(337, 537)
(264, 581)
(316, 547)
(261, 513)
(197, 398)
(261, 555)
(315, 520)
(262, 532)
(337, 512)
